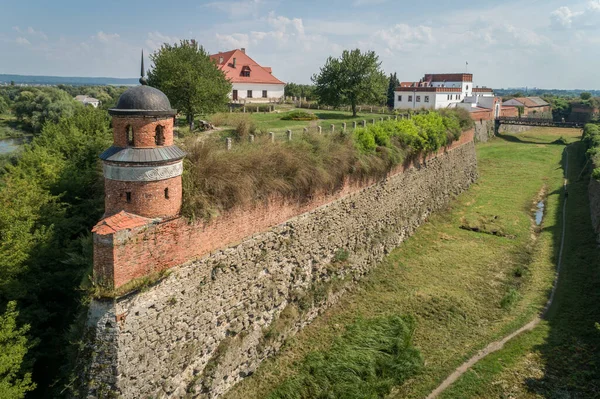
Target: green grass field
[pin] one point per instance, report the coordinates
(561, 357)
(463, 288)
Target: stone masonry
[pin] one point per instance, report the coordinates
(210, 322)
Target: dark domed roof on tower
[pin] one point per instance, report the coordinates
(143, 100)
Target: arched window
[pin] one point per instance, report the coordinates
(166, 193)
(129, 131)
(159, 136)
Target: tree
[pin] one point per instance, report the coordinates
(585, 96)
(354, 78)
(36, 106)
(394, 82)
(14, 383)
(3, 106)
(191, 80)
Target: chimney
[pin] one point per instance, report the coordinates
(220, 60)
(234, 62)
(243, 50)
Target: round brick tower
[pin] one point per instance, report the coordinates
(142, 169)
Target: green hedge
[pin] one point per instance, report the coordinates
(591, 136)
(299, 115)
(422, 133)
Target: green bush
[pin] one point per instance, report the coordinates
(299, 115)
(371, 358)
(591, 137)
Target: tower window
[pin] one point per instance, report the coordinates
(166, 193)
(159, 136)
(129, 130)
(128, 196)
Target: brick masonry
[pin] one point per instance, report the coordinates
(147, 199)
(212, 321)
(144, 130)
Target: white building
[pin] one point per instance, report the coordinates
(251, 82)
(85, 100)
(437, 91)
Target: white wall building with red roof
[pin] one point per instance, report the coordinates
(446, 90)
(252, 83)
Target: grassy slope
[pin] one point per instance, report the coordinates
(453, 280)
(560, 358)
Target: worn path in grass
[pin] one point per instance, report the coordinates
(560, 358)
(464, 288)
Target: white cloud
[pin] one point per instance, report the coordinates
(22, 41)
(594, 5)
(402, 37)
(156, 40)
(237, 9)
(563, 17)
(31, 32)
(105, 37)
(236, 40)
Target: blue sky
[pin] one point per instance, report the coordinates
(549, 43)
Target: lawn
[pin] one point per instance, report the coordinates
(272, 122)
(463, 288)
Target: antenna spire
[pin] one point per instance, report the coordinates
(143, 80)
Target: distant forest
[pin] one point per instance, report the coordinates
(64, 80)
(529, 92)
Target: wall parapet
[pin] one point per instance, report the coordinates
(212, 321)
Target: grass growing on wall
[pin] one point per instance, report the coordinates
(216, 180)
(453, 281)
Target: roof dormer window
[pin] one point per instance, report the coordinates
(246, 71)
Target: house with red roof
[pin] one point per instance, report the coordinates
(252, 83)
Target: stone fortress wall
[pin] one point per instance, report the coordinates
(249, 279)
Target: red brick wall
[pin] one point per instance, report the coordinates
(509, 112)
(147, 198)
(144, 130)
(143, 250)
(486, 115)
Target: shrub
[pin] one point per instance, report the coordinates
(244, 126)
(299, 115)
(371, 358)
(591, 138)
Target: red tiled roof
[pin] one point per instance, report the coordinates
(121, 221)
(526, 101)
(448, 77)
(431, 89)
(482, 90)
(258, 73)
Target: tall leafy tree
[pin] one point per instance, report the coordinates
(36, 106)
(393, 83)
(186, 74)
(14, 383)
(354, 78)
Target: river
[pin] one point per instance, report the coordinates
(12, 144)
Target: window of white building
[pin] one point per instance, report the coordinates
(426, 99)
(409, 99)
(399, 98)
(418, 99)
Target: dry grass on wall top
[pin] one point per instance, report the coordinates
(216, 180)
